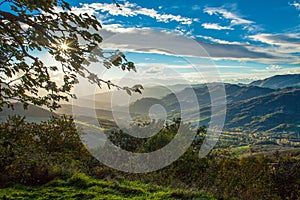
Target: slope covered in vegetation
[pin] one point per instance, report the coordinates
(80, 186)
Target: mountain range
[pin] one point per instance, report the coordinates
(269, 105)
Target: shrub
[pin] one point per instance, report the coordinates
(33, 153)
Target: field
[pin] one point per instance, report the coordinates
(80, 186)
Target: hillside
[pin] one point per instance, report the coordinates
(80, 186)
(276, 112)
(279, 81)
(32, 113)
(249, 108)
(233, 93)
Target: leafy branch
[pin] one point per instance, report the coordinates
(33, 26)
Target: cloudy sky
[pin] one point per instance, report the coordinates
(198, 41)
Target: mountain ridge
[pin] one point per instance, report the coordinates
(279, 81)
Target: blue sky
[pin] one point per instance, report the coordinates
(240, 40)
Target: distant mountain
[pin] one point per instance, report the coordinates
(33, 113)
(120, 98)
(279, 81)
(249, 108)
(233, 93)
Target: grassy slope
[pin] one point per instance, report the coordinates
(81, 186)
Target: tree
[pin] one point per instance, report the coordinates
(31, 26)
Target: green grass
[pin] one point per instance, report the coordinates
(239, 151)
(80, 186)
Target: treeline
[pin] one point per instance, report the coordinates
(32, 154)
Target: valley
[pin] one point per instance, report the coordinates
(258, 117)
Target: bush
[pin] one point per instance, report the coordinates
(32, 153)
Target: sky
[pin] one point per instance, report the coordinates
(200, 41)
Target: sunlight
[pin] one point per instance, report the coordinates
(64, 46)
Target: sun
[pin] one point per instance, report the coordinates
(64, 46)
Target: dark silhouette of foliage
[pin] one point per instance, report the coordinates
(35, 153)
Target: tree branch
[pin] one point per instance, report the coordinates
(13, 18)
(18, 41)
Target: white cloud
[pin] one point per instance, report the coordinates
(147, 40)
(130, 10)
(164, 66)
(154, 71)
(84, 9)
(188, 66)
(164, 42)
(216, 26)
(165, 78)
(269, 72)
(295, 4)
(235, 19)
(125, 10)
(218, 41)
(117, 28)
(277, 39)
(196, 7)
(225, 77)
(286, 46)
(191, 66)
(241, 77)
(274, 67)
